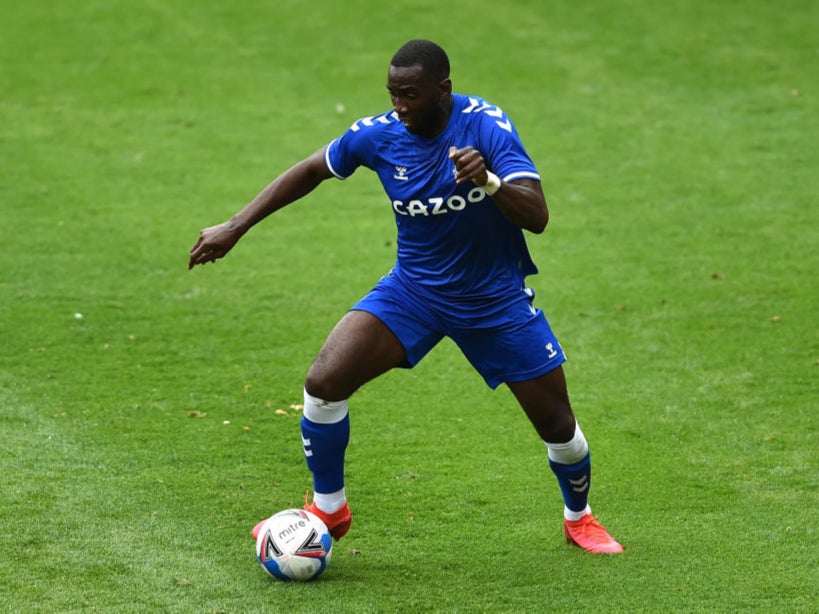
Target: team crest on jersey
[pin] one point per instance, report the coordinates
(400, 173)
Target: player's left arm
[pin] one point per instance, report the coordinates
(522, 201)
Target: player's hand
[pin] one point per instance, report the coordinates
(214, 243)
(469, 164)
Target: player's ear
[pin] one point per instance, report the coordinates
(444, 88)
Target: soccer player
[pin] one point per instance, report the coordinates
(462, 189)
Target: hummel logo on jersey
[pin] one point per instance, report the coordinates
(401, 173)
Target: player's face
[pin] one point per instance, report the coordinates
(418, 99)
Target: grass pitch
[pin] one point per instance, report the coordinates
(146, 410)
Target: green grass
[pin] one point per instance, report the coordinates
(141, 442)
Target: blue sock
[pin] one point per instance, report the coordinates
(324, 448)
(574, 481)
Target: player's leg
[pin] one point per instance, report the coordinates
(359, 348)
(522, 351)
(385, 329)
(545, 401)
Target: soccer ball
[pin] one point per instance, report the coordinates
(294, 545)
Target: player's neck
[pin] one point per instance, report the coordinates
(441, 119)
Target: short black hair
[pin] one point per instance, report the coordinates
(432, 59)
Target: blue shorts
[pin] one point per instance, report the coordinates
(515, 344)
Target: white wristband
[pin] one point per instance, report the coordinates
(493, 183)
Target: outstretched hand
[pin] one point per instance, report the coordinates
(214, 243)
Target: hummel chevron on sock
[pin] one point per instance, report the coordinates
(574, 481)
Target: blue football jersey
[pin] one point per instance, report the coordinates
(454, 244)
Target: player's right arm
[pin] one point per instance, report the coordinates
(299, 180)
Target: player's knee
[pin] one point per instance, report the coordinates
(324, 386)
(556, 424)
(562, 427)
